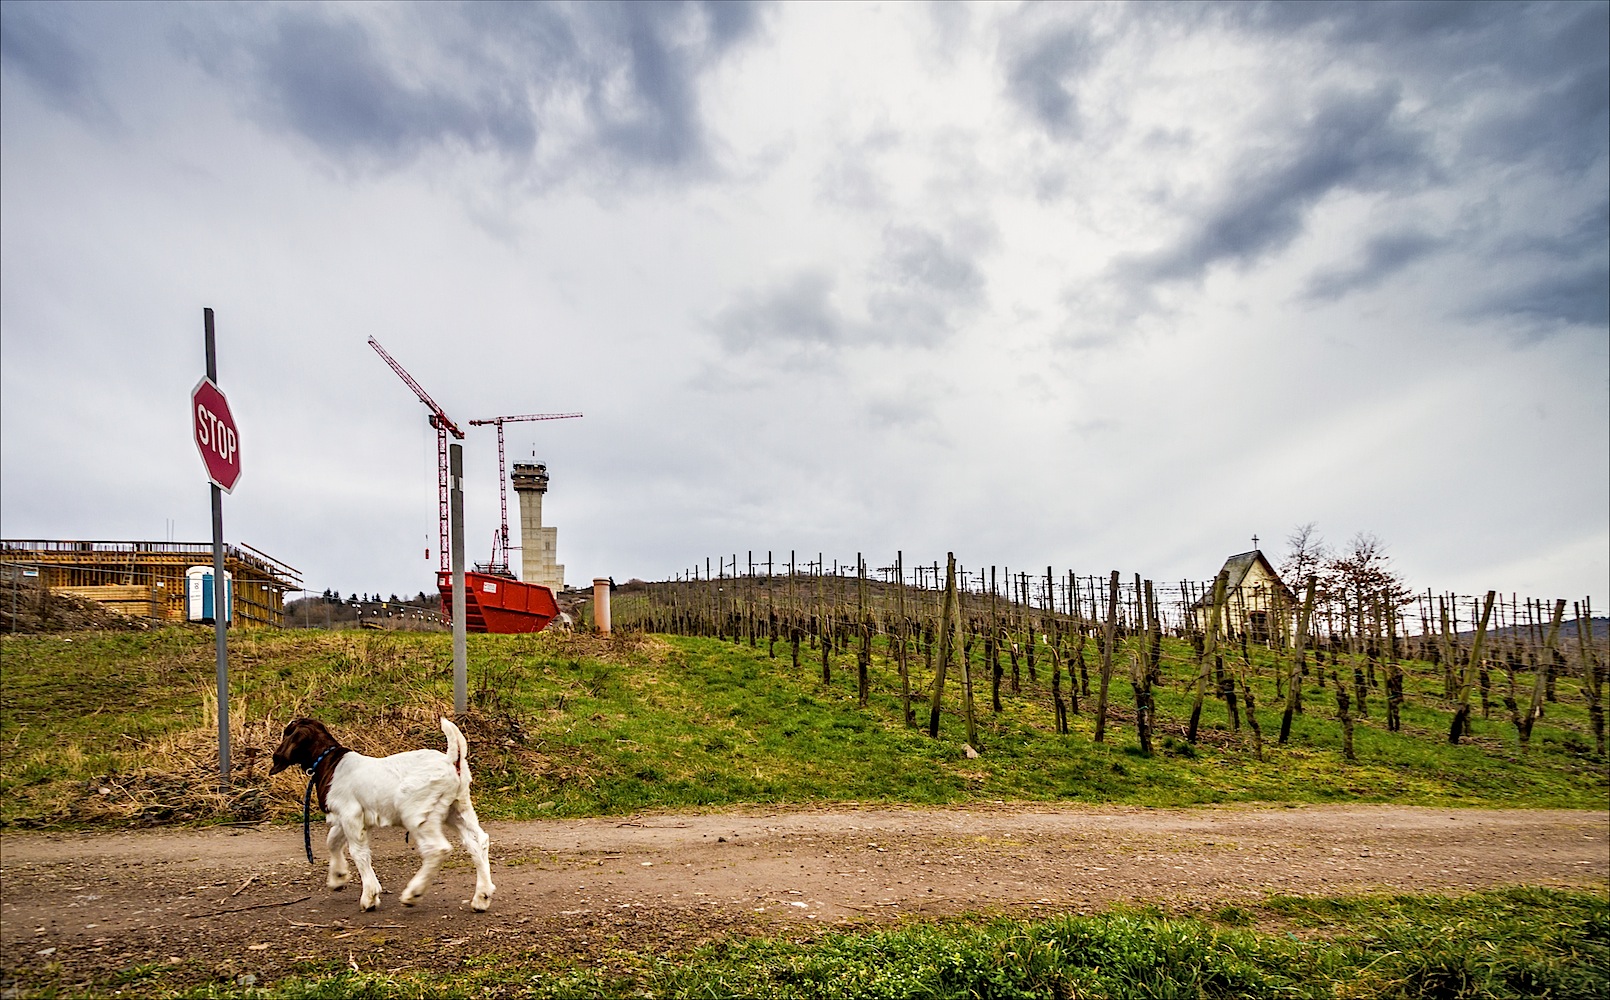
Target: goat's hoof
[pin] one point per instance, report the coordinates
(410, 900)
(480, 903)
(370, 906)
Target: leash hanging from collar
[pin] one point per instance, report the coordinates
(307, 802)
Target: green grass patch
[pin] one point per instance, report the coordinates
(120, 728)
(1509, 943)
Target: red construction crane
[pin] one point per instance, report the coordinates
(500, 541)
(444, 426)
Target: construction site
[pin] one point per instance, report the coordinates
(146, 580)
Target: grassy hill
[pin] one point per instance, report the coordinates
(119, 728)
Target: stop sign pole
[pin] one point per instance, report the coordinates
(216, 432)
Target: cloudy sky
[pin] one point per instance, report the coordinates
(1097, 286)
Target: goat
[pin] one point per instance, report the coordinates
(419, 790)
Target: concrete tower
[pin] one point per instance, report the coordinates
(539, 546)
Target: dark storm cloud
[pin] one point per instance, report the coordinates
(918, 285)
(1384, 255)
(1371, 22)
(1534, 78)
(1566, 276)
(1351, 141)
(922, 260)
(925, 280)
(796, 316)
(664, 129)
(1489, 85)
(35, 44)
(329, 82)
(1566, 123)
(1578, 296)
(1042, 73)
(485, 76)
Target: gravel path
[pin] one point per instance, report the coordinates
(226, 902)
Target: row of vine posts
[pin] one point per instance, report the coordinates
(1066, 623)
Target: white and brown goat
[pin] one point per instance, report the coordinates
(422, 791)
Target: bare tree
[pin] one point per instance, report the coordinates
(1362, 572)
(1306, 555)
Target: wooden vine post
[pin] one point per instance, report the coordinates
(1450, 656)
(1031, 628)
(901, 636)
(1226, 678)
(992, 643)
(1081, 683)
(965, 647)
(1294, 686)
(771, 609)
(1535, 710)
(1106, 657)
(1154, 624)
(1060, 709)
(1210, 649)
(1344, 716)
(824, 628)
(793, 614)
(1361, 652)
(945, 637)
(1140, 671)
(863, 658)
(1461, 716)
(1244, 675)
(1394, 671)
(1591, 675)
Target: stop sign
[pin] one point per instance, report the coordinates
(215, 433)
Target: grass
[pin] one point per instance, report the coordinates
(1521, 942)
(110, 728)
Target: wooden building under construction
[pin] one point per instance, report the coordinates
(147, 579)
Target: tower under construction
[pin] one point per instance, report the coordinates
(539, 546)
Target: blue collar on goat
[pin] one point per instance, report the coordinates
(307, 803)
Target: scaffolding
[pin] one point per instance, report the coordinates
(147, 579)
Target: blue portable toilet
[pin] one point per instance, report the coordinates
(198, 595)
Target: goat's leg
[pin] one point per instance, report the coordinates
(334, 845)
(433, 849)
(358, 847)
(476, 842)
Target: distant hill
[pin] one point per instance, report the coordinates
(1599, 632)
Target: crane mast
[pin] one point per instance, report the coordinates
(500, 541)
(444, 426)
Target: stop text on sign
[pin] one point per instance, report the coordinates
(216, 437)
(215, 434)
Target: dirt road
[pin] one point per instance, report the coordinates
(227, 902)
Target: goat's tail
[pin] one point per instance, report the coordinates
(458, 753)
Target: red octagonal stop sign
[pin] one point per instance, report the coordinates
(215, 433)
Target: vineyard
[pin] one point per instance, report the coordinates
(739, 792)
(1192, 656)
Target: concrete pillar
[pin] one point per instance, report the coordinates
(538, 545)
(601, 604)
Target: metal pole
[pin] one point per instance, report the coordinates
(219, 607)
(455, 462)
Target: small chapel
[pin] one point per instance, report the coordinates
(1254, 598)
